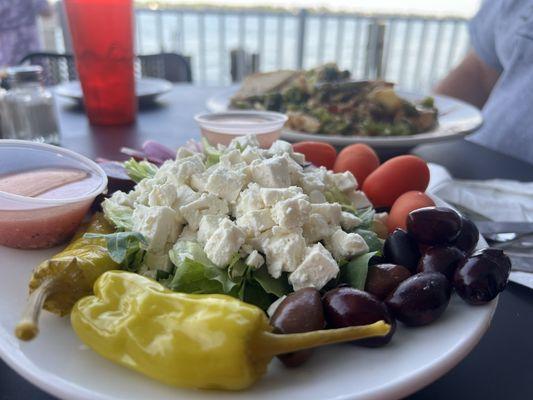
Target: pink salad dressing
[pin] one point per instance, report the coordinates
(47, 226)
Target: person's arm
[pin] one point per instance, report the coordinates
(472, 80)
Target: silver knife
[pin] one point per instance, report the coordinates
(492, 227)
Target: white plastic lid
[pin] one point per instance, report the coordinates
(19, 156)
(241, 122)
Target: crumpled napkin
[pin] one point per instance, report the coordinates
(494, 199)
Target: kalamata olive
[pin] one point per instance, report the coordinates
(468, 237)
(434, 225)
(346, 306)
(384, 278)
(443, 259)
(401, 249)
(299, 312)
(420, 299)
(483, 275)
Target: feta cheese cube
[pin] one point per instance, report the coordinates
(230, 158)
(241, 142)
(317, 269)
(344, 181)
(349, 221)
(199, 182)
(254, 260)
(358, 199)
(207, 204)
(183, 153)
(346, 245)
(284, 251)
(250, 154)
(142, 191)
(224, 243)
(185, 195)
(298, 157)
(291, 213)
(249, 200)
(316, 228)
(317, 197)
(330, 211)
(272, 196)
(188, 234)
(158, 225)
(280, 147)
(313, 181)
(224, 183)
(180, 171)
(256, 221)
(208, 225)
(162, 195)
(295, 169)
(271, 173)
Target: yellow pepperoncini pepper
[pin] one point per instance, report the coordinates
(188, 340)
(56, 284)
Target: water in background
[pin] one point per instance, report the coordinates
(417, 52)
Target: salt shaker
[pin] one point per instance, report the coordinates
(28, 109)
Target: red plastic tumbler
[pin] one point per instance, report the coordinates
(102, 37)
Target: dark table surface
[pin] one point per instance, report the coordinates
(501, 365)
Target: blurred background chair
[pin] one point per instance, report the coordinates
(57, 67)
(60, 67)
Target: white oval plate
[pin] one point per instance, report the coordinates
(456, 119)
(60, 364)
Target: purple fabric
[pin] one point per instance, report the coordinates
(18, 28)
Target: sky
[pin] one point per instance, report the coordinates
(432, 7)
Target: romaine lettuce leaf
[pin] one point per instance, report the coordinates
(195, 273)
(139, 170)
(119, 215)
(212, 154)
(375, 244)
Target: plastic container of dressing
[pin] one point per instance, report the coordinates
(45, 193)
(222, 127)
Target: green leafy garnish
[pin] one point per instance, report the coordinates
(212, 154)
(278, 287)
(139, 170)
(354, 273)
(124, 248)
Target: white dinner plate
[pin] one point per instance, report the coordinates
(456, 119)
(57, 362)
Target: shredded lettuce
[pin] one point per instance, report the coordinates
(139, 170)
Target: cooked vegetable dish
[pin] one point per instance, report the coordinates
(324, 100)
